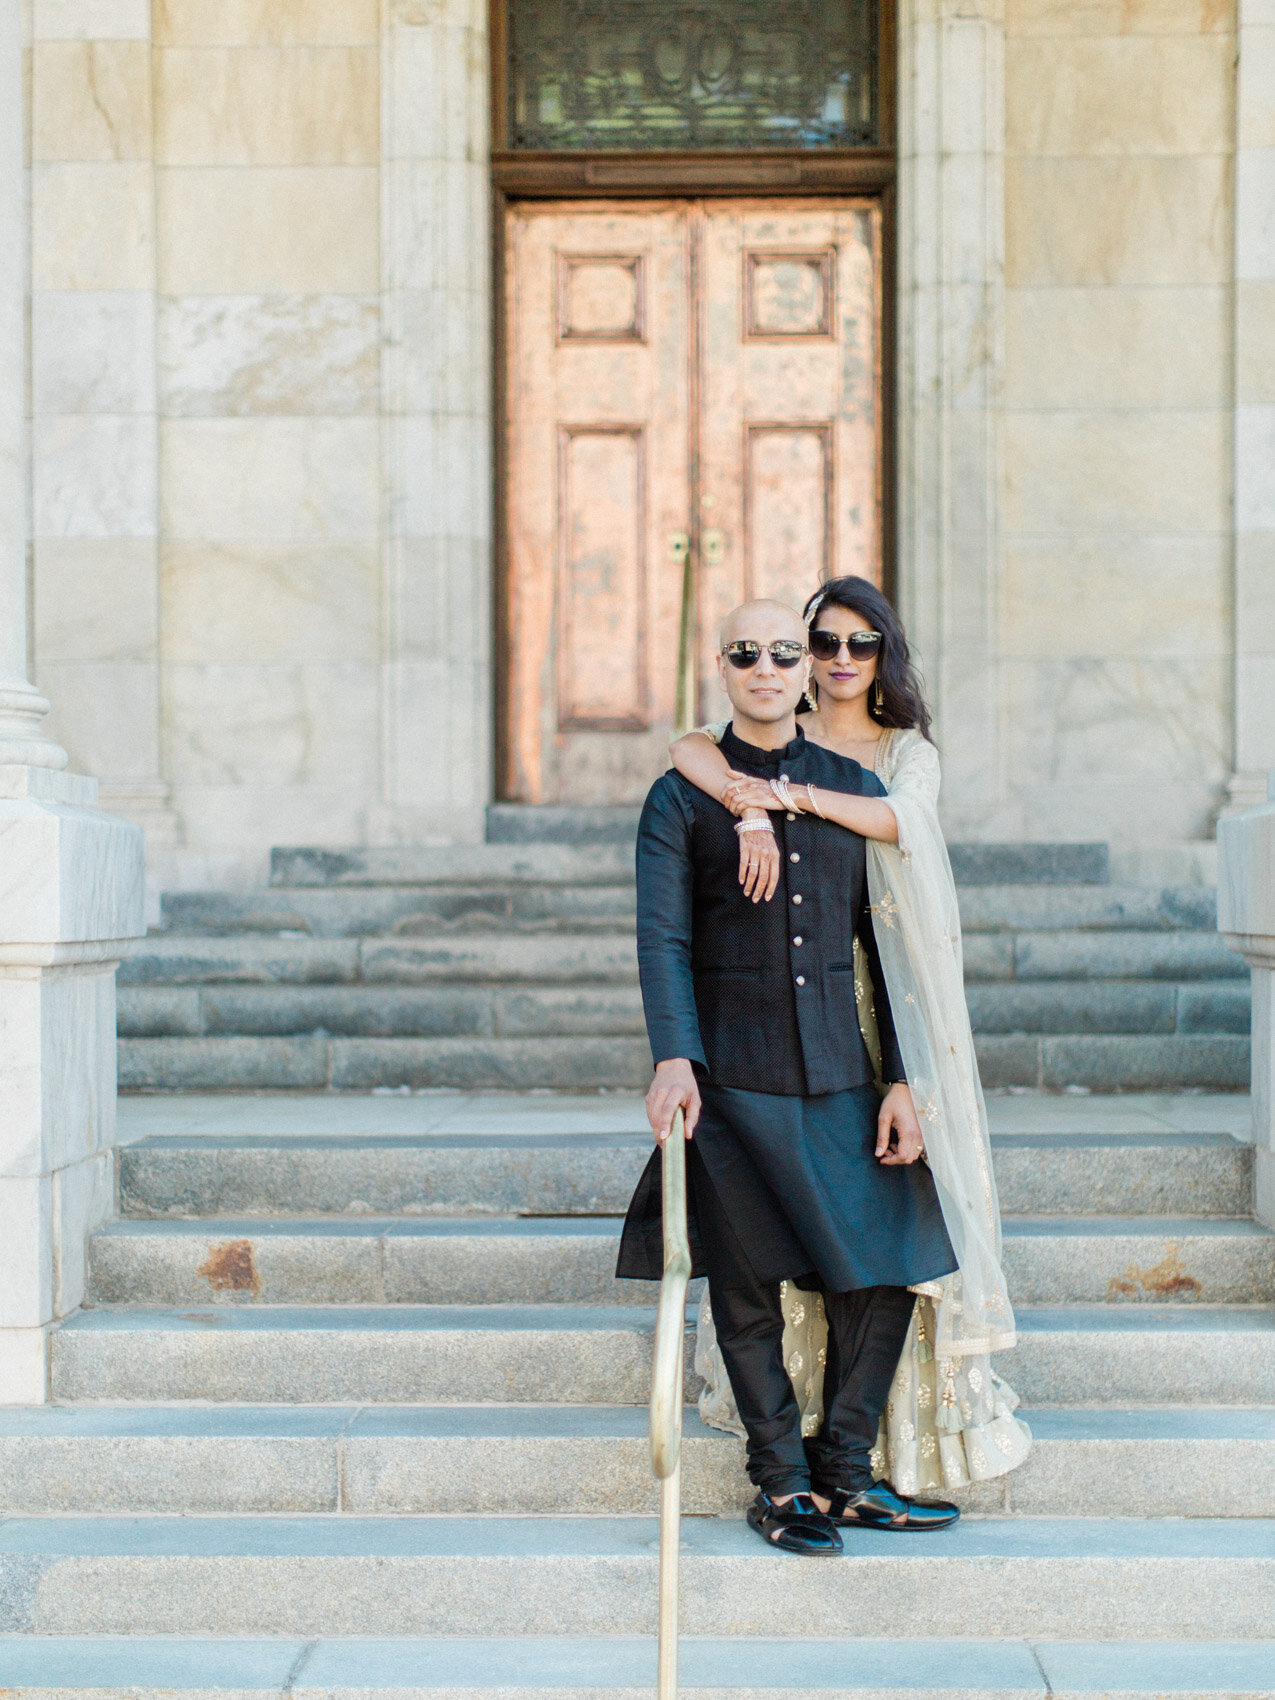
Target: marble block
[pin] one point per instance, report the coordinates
(251, 23)
(92, 226)
(91, 20)
(91, 100)
(95, 475)
(234, 230)
(238, 355)
(271, 479)
(96, 599)
(267, 106)
(93, 351)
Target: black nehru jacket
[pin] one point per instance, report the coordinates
(759, 995)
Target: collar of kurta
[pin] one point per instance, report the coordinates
(736, 750)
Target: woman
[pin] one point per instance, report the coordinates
(949, 1419)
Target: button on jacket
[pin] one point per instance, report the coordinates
(760, 996)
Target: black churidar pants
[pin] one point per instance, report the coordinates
(866, 1332)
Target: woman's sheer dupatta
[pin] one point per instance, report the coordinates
(949, 1419)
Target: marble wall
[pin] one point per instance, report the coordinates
(262, 387)
(1116, 576)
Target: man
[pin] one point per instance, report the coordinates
(798, 1170)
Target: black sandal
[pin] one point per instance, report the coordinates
(796, 1526)
(880, 1507)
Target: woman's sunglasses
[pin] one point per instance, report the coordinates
(744, 653)
(861, 646)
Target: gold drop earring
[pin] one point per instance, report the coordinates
(880, 696)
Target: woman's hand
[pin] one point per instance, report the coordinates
(745, 791)
(758, 860)
(899, 1138)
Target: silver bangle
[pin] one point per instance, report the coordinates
(810, 793)
(754, 826)
(780, 788)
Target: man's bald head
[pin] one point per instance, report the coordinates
(762, 620)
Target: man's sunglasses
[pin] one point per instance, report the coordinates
(826, 646)
(744, 653)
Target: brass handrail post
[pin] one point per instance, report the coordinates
(686, 701)
(666, 1394)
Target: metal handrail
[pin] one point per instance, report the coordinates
(666, 1394)
(685, 702)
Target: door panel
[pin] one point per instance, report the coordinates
(598, 303)
(646, 340)
(789, 416)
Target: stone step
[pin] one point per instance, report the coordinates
(1108, 1062)
(499, 1668)
(591, 891)
(492, 1011)
(1052, 1007)
(522, 1460)
(530, 1260)
(1097, 1062)
(169, 959)
(1078, 1355)
(361, 911)
(455, 864)
(1151, 1174)
(610, 956)
(360, 1065)
(493, 1576)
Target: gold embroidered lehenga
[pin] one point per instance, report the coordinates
(949, 1419)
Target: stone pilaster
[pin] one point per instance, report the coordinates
(951, 310)
(1254, 404)
(436, 425)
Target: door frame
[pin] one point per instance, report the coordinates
(523, 175)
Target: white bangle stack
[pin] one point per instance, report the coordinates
(754, 826)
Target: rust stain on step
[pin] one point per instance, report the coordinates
(231, 1268)
(1167, 1279)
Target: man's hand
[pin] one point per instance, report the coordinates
(758, 861)
(674, 1088)
(899, 1137)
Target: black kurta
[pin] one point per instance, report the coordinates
(761, 999)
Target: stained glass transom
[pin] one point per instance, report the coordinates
(641, 74)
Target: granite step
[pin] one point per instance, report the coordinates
(1095, 1062)
(498, 1008)
(501, 1668)
(454, 864)
(585, 1173)
(607, 958)
(1175, 1461)
(440, 1011)
(1141, 1578)
(1068, 1355)
(238, 1064)
(535, 1260)
(586, 892)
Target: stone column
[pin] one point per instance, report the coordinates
(1246, 918)
(71, 888)
(1254, 403)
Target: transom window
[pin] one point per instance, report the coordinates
(649, 74)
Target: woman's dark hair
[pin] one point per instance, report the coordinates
(902, 703)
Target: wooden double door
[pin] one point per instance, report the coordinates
(684, 379)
